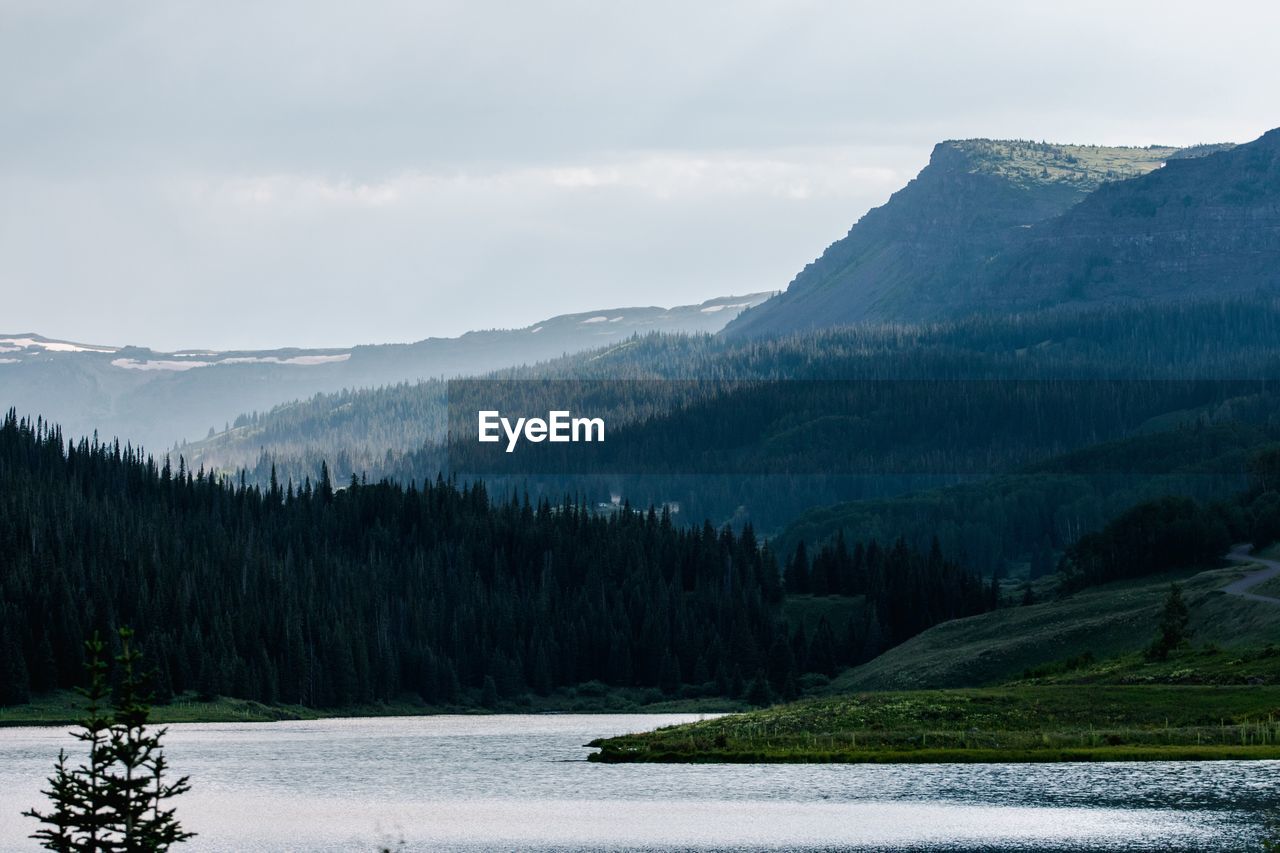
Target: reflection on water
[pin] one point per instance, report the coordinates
(519, 783)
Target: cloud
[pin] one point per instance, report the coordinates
(308, 172)
(319, 260)
(794, 174)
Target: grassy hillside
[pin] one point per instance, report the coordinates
(1271, 588)
(1067, 681)
(1107, 621)
(1207, 664)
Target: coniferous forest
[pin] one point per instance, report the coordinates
(700, 400)
(328, 595)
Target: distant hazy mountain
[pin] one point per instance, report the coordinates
(993, 226)
(158, 398)
(398, 431)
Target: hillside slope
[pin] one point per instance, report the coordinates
(1115, 619)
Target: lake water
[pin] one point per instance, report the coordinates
(521, 783)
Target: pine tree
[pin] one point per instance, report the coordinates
(669, 675)
(1173, 625)
(68, 813)
(136, 779)
(489, 693)
(822, 651)
(781, 663)
(116, 800)
(797, 574)
(14, 678)
(79, 818)
(759, 693)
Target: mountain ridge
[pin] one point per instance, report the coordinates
(1199, 227)
(941, 247)
(157, 398)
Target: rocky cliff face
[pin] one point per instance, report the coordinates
(997, 226)
(1207, 227)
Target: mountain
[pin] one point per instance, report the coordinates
(1203, 227)
(160, 398)
(966, 233)
(723, 451)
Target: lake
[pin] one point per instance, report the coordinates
(521, 783)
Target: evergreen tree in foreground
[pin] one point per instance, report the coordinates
(115, 801)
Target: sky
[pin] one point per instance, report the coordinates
(313, 173)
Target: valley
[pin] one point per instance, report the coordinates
(653, 428)
(883, 489)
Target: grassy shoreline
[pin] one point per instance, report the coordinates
(1019, 723)
(952, 756)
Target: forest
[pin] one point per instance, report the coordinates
(667, 385)
(1177, 532)
(327, 577)
(330, 595)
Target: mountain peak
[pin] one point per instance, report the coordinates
(1007, 225)
(908, 259)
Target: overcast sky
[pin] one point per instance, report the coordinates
(319, 173)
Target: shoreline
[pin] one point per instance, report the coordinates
(62, 709)
(954, 756)
(1027, 723)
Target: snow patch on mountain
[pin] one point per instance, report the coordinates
(171, 364)
(16, 344)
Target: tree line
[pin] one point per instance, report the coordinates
(1176, 532)
(399, 432)
(905, 590)
(328, 595)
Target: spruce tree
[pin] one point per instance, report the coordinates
(759, 693)
(79, 796)
(797, 574)
(14, 677)
(489, 693)
(137, 781)
(669, 673)
(1173, 625)
(116, 800)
